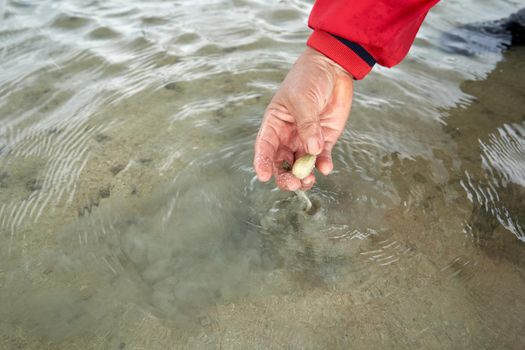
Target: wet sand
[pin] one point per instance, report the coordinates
(153, 234)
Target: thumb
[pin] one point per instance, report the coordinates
(309, 131)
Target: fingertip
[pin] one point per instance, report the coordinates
(308, 182)
(294, 186)
(310, 179)
(263, 168)
(288, 182)
(264, 177)
(325, 166)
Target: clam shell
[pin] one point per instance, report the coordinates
(304, 166)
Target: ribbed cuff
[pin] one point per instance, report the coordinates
(340, 53)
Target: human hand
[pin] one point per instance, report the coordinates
(306, 115)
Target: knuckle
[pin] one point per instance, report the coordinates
(307, 124)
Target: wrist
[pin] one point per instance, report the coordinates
(357, 63)
(327, 61)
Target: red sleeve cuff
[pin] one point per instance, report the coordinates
(338, 52)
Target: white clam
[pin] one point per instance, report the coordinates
(304, 166)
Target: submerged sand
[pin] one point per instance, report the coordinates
(137, 223)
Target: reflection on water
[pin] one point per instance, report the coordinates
(130, 216)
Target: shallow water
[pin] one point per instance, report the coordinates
(130, 217)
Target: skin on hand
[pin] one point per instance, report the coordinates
(306, 115)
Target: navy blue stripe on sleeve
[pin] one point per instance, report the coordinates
(358, 49)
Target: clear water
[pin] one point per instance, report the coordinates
(130, 217)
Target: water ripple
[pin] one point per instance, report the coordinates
(500, 194)
(126, 185)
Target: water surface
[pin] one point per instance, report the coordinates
(130, 216)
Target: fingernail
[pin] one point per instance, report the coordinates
(313, 146)
(325, 169)
(264, 177)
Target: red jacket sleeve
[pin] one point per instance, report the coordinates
(358, 33)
